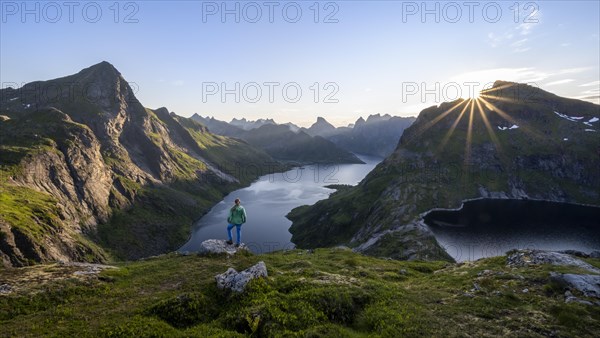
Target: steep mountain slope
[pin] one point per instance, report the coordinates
(515, 141)
(83, 162)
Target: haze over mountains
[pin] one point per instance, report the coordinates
(280, 141)
(377, 136)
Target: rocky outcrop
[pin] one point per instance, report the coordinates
(5, 289)
(237, 281)
(586, 284)
(219, 246)
(589, 285)
(536, 257)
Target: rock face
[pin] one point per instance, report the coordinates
(89, 156)
(237, 281)
(219, 246)
(516, 141)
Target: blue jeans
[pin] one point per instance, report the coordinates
(238, 228)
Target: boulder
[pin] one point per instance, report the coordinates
(219, 246)
(535, 257)
(5, 289)
(237, 281)
(589, 285)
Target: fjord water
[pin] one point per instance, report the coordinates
(490, 227)
(273, 196)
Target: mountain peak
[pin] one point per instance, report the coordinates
(323, 123)
(102, 68)
(501, 83)
(321, 128)
(378, 117)
(102, 80)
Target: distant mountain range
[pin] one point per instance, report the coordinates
(247, 125)
(515, 141)
(280, 141)
(377, 136)
(87, 171)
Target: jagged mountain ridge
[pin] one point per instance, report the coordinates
(518, 142)
(247, 125)
(282, 142)
(376, 136)
(80, 155)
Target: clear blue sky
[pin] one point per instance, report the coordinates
(380, 56)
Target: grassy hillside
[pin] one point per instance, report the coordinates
(321, 293)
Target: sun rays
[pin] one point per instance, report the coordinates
(482, 109)
(451, 130)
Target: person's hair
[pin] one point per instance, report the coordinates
(235, 204)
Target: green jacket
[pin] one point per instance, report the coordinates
(237, 215)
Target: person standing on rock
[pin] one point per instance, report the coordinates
(237, 217)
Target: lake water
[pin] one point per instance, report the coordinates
(270, 198)
(487, 227)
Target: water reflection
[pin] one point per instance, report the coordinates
(273, 196)
(488, 227)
